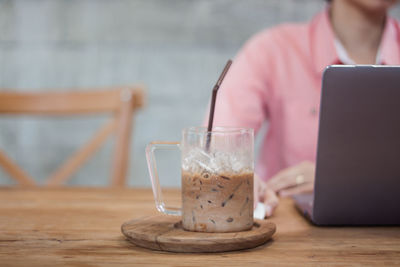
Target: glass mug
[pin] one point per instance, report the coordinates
(217, 178)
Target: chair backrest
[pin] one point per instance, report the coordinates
(120, 102)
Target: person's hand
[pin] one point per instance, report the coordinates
(293, 180)
(264, 195)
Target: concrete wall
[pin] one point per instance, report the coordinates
(175, 47)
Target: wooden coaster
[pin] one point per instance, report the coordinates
(166, 233)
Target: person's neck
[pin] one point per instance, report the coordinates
(358, 30)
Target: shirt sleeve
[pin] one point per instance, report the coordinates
(242, 98)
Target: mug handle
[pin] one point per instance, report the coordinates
(155, 182)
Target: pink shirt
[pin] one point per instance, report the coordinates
(276, 77)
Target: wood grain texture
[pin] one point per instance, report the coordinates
(166, 233)
(81, 227)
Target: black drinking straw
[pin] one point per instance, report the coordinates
(213, 99)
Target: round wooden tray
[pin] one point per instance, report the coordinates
(166, 233)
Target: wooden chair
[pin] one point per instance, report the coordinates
(121, 102)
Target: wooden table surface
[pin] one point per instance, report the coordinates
(81, 227)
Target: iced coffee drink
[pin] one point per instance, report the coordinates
(217, 179)
(217, 202)
(217, 191)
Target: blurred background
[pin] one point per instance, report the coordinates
(176, 48)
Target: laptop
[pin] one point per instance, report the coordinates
(357, 177)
